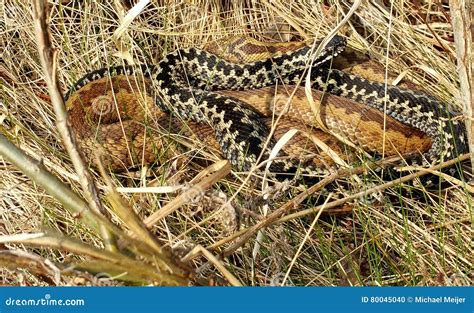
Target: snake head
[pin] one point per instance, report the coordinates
(326, 51)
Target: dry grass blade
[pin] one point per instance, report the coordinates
(315, 105)
(274, 153)
(120, 36)
(306, 236)
(453, 180)
(117, 272)
(42, 239)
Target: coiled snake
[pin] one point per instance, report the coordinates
(200, 87)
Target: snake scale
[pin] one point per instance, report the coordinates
(200, 87)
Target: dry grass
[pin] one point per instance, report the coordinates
(409, 236)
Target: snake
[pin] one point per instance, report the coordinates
(211, 90)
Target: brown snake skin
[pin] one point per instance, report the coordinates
(118, 115)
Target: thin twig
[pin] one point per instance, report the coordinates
(276, 217)
(378, 188)
(296, 201)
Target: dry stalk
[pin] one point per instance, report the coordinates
(125, 212)
(39, 174)
(48, 58)
(461, 11)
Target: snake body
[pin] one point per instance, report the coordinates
(189, 83)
